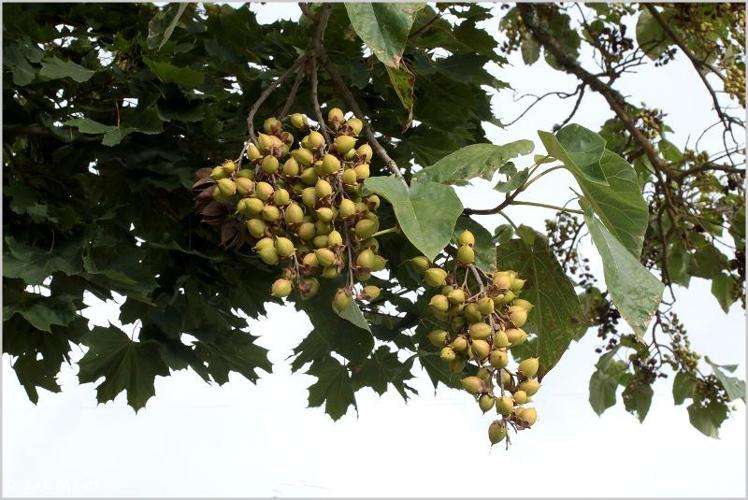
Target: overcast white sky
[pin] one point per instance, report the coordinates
(245, 440)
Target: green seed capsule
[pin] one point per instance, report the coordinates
(270, 164)
(281, 288)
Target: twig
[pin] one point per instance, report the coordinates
(292, 93)
(426, 25)
(562, 95)
(574, 109)
(266, 93)
(315, 101)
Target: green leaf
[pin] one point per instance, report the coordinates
(33, 373)
(485, 250)
(126, 365)
(33, 265)
(608, 181)
(530, 49)
(54, 68)
(168, 73)
(637, 399)
(707, 419)
(579, 149)
(633, 289)
(476, 160)
(343, 336)
(232, 351)
(734, 387)
(557, 317)
(684, 387)
(403, 81)
(43, 312)
(514, 180)
(384, 368)
(722, 286)
(650, 36)
(333, 387)
(17, 57)
(603, 385)
(384, 27)
(353, 313)
(88, 126)
(427, 212)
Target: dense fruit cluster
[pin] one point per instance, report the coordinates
(481, 318)
(301, 206)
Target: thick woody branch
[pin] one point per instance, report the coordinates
(570, 65)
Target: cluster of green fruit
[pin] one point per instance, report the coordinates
(481, 317)
(302, 206)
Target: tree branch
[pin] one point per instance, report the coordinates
(292, 95)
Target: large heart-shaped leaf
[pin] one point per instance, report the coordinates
(634, 290)
(608, 181)
(476, 160)
(427, 212)
(384, 27)
(557, 317)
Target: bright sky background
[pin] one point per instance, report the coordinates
(245, 440)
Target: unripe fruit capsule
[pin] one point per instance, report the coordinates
(528, 415)
(334, 238)
(517, 284)
(457, 365)
(281, 288)
(496, 432)
(366, 152)
(460, 344)
(371, 293)
(298, 120)
(485, 402)
(320, 241)
(281, 197)
(520, 397)
(269, 256)
(303, 156)
(502, 280)
(270, 164)
(341, 300)
(310, 260)
(485, 306)
(291, 168)
(447, 354)
(306, 231)
(294, 214)
(330, 164)
(456, 296)
(435, 276)
(365, 259)
(472, 384)
(335, 117)
(530, 386)
(518, 316)
(365, 228)
(439, 303)
(249, 206)
(284, 247)
(325, 256)
(227, 187)
(362, 171)
(356, 125)
(466, 255)
(256, 227)
(253, 153)
(344, 143)
(315, 140)
(347, 208)
(325, 214)
(500, 339)
(244, 186)
(349, 176)
(466, 238)
(272, 125)
(420, 263)
(270, 213)
(522, 303)
(504, 405)
(472, 314)
(309, 197)
(498, 358)
(480, 349)
(480, 331)
(529, 367)
(264, 191)
(437, 337)
(516, 336)
(264, 243)
(266, 142)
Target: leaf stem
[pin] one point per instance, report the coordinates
(552, 207)
(395, 229)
